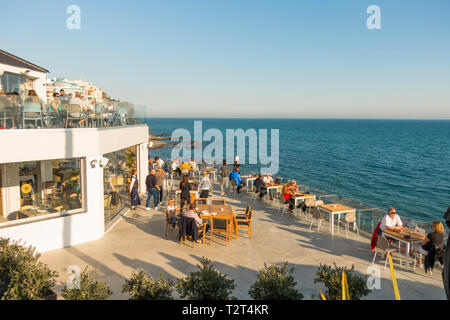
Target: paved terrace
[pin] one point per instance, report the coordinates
(138, 241)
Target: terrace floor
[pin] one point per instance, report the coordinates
(138, 241)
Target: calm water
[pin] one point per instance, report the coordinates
(400, 163)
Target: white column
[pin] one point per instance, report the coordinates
(142, 165)
(93, 195)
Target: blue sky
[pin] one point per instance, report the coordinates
(246, 58)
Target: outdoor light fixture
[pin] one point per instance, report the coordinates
(103, 162)
(93, 163)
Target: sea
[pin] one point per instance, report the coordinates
(403, 164)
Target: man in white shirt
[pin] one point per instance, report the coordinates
(391, 221)
(268, 180)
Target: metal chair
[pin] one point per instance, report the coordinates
(198, 201)
(383, 247)
(74, 112)
(319, 216)
(32, 111)
(218, 201)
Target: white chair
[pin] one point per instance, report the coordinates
(350, 217)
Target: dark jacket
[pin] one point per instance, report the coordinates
(445, 269)
(258, 183)
(186, 190)
(187, 227)
(150, 181)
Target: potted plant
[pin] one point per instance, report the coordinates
(331, 277)
(86, 287)
(142, 287)
(206, 284)
(22, 277)
(275, 283)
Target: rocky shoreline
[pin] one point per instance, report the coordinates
(159, 141)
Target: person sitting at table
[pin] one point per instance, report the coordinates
(172, 212)
(289, 195)
(235, 177)
(391, 221)
(32, 97)
(185, 195)
(435, 238)
(268, 181)
(77, 100)
(260, 186)
(190, 213)
(63, 97)
(205, 185)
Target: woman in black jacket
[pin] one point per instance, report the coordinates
(185, 188)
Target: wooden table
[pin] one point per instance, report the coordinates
(303, 197)
(248, 178)
(226, 214)
(333, 209)
(400, 236)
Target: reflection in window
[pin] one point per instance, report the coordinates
(117, 177)
(48, 187)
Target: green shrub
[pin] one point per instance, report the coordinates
(275, 283)
(332, 279)
(89, 288)
(206, 284)
(142, 287)
(22, 277)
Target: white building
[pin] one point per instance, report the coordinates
(64, 186)
(18, 76)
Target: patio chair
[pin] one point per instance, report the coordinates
(198, 201)
(185, 229)
(383, 247)
(74, 112)
(319, 216)
(32, 111)
(247, 223)
(350, 217)
(169, 225)
(243, 215)
(216, 201)
(309, 203)
(220, 225)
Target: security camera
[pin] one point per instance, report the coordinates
(93, 163)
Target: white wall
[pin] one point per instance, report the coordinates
(39, 79)
(41, 144)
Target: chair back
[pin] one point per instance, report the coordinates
(382, 243)
(318, 203)
(32, 107)
(309, 202)
(218, 201)
(250, 214)
(350, 217)
(316, 213)
(200, 201)
(74, 108)
(219, 224)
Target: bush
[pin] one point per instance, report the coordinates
(22, 277)
(142, 287)
(275, 283)
(332, 278)
(89, 288)
(206, 284)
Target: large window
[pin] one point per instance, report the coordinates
(13, 83)
(39, 188)
(117, 177)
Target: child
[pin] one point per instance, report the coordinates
(172, 212)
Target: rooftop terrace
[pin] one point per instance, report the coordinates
(138, 241)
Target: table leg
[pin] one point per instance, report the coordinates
(407, 254)
(332, 223)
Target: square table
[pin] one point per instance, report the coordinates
(400, 236)
(247, 178)
(303, 197)
(227, 214)
(333, 209)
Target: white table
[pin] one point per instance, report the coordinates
(335, 209)
(401, 238)
(247, 179)
(303, 198)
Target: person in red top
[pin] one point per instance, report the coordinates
(289, 195)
